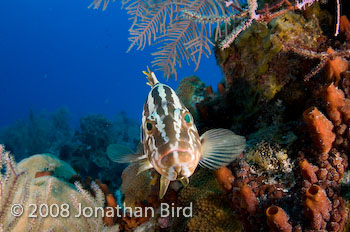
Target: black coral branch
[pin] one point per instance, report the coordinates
(147, 23)
(185, 38)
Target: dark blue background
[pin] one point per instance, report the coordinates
(57, 53)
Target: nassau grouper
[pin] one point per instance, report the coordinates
(170, 142)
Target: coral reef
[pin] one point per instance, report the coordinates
(286, 88)
(136, 188)
(84, 148)
(211, 211)
(271, 163)
(39, 133)
(87, 150)
(270, 68)
(21, 187)
(296, 121)
(204, 195)
(212, 215)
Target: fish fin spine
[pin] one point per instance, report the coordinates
(220, 147)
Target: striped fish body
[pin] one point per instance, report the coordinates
(170, 138)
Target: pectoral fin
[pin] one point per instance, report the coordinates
(144, 165)
(220, 147)
(164, 183)
(185, 181)
(122, 154)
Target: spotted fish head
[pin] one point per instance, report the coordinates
(170, 137)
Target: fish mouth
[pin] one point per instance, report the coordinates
(179, 162)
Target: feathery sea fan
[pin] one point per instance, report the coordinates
(183, 28)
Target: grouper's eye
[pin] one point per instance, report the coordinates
(188, 118)
(149, 127)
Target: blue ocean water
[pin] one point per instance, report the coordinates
(60, 53)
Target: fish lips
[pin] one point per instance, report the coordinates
(179, 162)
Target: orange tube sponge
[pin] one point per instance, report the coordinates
(338, 107)
(248, 199)
(317, 207)
(308, 171)
(336, 66)
(320, 129)
(112, 204)
(277, 219)
(221, 88)
(224, 177)
(345, 27)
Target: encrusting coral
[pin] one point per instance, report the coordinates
(271, 68)
(211, 211)
(212, 215)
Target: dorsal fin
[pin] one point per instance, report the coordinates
(151, 77)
